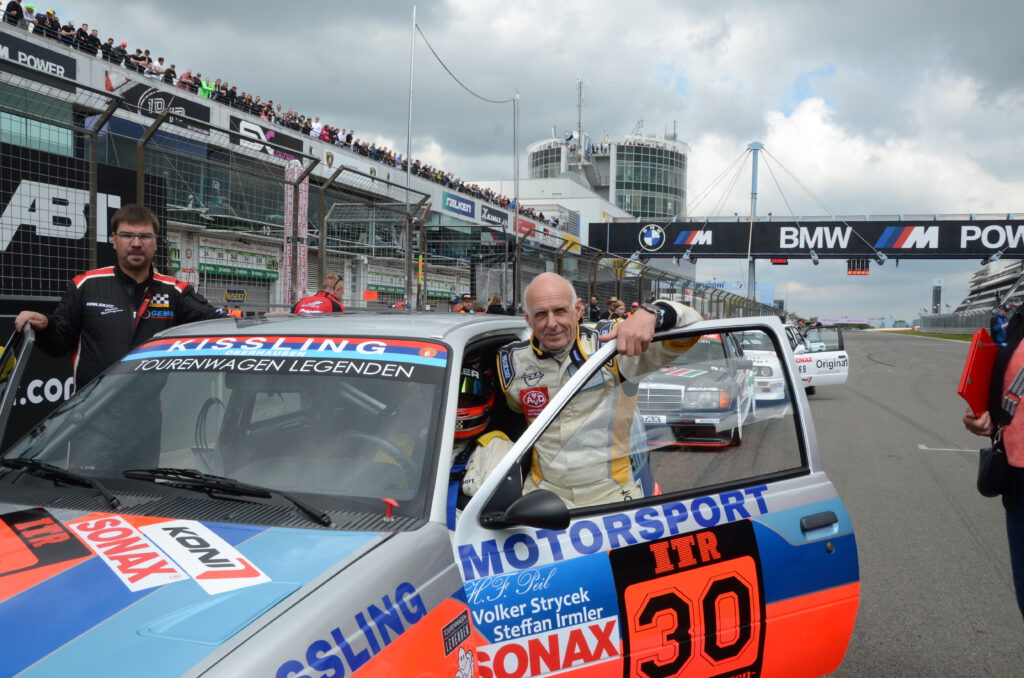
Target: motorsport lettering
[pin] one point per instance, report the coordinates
(584, 537)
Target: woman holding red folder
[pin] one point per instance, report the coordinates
(1005, 393)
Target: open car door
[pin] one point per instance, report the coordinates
(707, 563)
(13, 362)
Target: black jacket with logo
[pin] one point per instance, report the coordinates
(96, 318)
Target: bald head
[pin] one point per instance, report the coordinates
(553, 311)
(547, 284)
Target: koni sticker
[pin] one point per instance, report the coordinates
(692, 604)
(214, 564)
(33, 538)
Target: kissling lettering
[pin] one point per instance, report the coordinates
(366, 634)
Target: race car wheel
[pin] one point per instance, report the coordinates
(736, 436)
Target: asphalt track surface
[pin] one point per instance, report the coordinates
(936, 593)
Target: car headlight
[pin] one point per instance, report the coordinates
(764, 371)
(705, 399)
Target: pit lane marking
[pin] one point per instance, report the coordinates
(942, 449)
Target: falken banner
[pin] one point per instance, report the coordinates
(941, 238)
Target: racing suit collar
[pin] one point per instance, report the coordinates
(574, 347)
(121, 275)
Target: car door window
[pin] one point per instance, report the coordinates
(707, 418)
(825, 339)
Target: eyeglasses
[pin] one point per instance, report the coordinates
(143, 237)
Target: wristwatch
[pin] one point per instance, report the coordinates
(658, 312)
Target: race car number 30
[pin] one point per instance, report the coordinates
(691, 605)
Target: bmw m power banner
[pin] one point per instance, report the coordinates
(928, 238)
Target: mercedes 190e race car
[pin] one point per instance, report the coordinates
(703, 398)
(281, 497)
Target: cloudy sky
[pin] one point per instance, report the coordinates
(878, 107)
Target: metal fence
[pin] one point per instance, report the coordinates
(252, 225)
(956, 323)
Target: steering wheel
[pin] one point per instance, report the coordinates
(390, 450)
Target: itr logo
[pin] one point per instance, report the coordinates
(652, 237)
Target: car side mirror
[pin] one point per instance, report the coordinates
(744, 364)
(541, 508)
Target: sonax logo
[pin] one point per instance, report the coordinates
(136, 561)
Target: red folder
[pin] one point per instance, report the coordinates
(977, 374)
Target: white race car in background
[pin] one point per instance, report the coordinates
(821, 359)
(769, 379)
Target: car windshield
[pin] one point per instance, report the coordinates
(708, 349)
(351, 420)
(755, 341)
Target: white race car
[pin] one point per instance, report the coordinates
(821, 359)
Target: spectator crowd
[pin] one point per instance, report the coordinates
(87, 40)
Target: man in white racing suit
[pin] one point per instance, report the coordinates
(585, 455)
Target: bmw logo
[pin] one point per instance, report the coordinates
(652, 237)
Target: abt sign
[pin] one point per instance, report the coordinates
(53, 211)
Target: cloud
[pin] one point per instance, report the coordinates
(876, 107)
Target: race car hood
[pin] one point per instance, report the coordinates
(78, 588)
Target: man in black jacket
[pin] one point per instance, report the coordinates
(107, 312)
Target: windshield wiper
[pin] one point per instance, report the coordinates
(190, 478)
(44, 470)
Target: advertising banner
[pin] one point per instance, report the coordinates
(45, 203)
(152, 101)
(47, 383)
(457, 204)
(295, 230)
(249, 134)
(227, 258)
(834, 239)
(42, 62)
(497, 217)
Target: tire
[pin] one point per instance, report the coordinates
(736, 436)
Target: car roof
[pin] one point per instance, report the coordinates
(454, 328)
